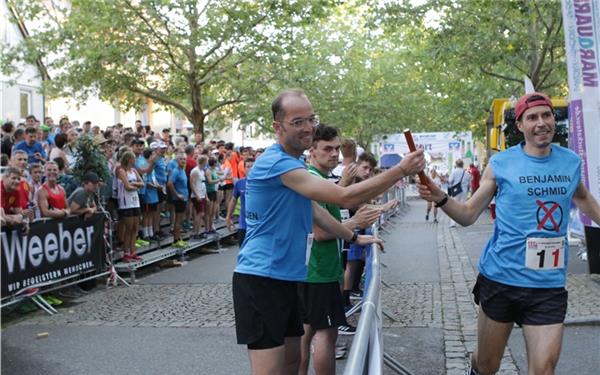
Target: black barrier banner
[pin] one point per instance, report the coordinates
(52, 250)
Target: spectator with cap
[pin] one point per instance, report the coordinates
(81, 201)
(32, 147)
(43, 135)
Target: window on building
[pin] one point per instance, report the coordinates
(25, 104)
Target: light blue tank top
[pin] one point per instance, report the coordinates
(529, 247)
(278, 220)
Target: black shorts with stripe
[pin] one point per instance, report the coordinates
(321, 305)
(531, 306)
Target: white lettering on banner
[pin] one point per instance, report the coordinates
(36, 249)
(51, 247)
(65, 251)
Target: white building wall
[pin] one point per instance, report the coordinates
(27, 83)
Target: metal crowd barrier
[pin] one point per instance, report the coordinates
(366, 354)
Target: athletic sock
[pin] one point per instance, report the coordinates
(346, 296)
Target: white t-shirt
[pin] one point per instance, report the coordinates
(198, 177)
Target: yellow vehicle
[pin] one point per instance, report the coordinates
(502, 131)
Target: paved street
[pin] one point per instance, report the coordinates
(180, 320)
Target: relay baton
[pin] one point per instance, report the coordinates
(411, 146)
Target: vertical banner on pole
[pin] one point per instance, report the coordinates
(581, 20)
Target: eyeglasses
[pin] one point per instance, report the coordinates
(299, 122)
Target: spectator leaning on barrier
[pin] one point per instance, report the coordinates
(82, 201)
(35, 178)
(279, 217)
(19, 161)
(12, 212)
(51, 197)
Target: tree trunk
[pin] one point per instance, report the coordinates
(197, 119)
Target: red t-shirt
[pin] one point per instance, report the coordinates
(190, 164)
(24, 194)
(10, 200)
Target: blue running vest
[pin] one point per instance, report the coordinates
(532, 212)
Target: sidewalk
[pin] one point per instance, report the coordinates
(180, 320)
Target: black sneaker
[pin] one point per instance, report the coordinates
(356, 294)
(346, 329)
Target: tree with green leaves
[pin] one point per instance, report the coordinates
(195, 57)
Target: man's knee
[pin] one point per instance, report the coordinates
(484, 366)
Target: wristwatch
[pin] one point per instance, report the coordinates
(354, 237)
(442, 202)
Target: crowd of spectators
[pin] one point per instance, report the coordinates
(152, 176)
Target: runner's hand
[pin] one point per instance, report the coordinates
(431, 192)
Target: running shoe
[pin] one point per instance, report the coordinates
(346, 330)
(53, 300)
(180, 243)
(136, 257)
(340, 351)
(140, 243)
(356, 294)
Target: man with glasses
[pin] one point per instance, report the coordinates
(279, 218)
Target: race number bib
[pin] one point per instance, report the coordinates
(545, 253)
(309, 242)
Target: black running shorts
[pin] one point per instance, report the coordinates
(266, 311)
(321, 305)
(531, 306)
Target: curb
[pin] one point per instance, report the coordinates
(593, 320)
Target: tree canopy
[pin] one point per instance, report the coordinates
(369, 67)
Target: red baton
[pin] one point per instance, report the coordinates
(411, 146)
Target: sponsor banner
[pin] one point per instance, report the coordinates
(51, 251)
(581, 19)
(442, 149)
